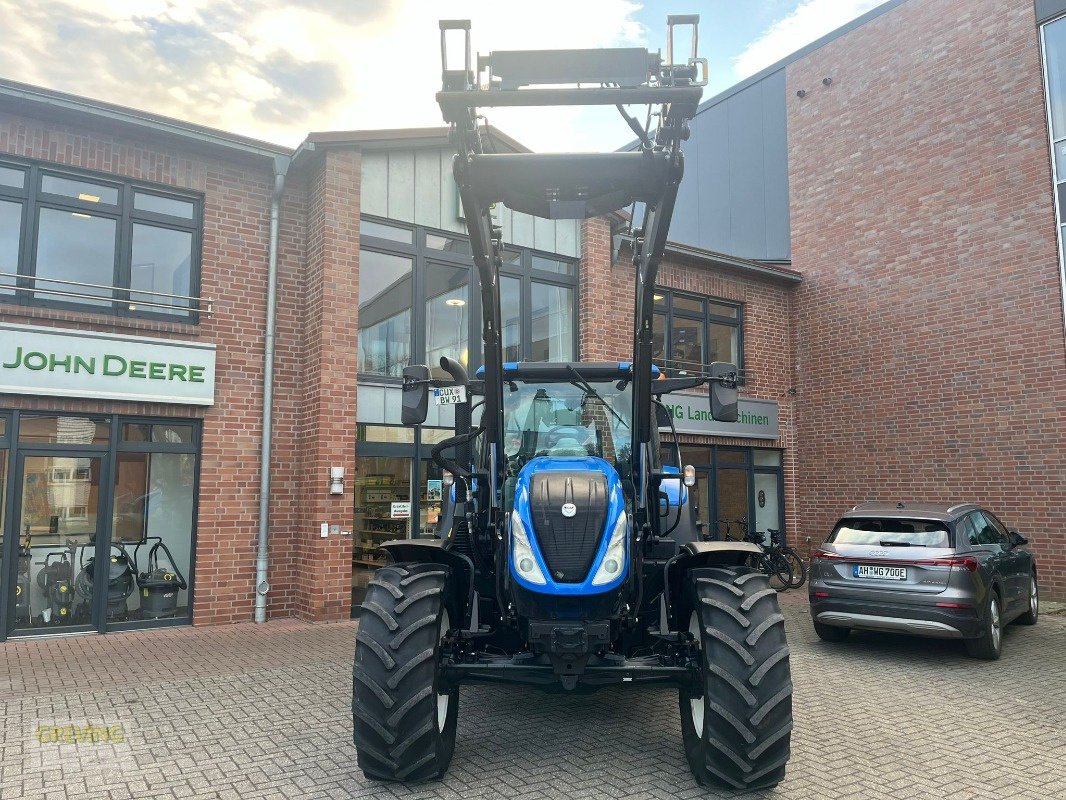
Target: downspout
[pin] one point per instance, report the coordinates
(262, 586)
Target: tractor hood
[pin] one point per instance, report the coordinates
(569, 508)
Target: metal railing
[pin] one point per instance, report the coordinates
(198, 305)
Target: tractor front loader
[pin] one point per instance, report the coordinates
(567, 556)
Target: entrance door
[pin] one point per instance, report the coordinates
(767, 504)
(732, 496)
(60, 515)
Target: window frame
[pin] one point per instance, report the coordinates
(668, 313)
(423, 256)
(108, 451)
(34, 199)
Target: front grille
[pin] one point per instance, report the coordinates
(568, 544)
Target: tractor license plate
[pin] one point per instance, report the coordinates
(449, 395)
(881, 573)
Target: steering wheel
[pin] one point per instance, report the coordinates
(557, 433)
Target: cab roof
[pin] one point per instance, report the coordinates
(592, 371)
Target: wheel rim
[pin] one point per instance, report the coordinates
(443, 700)
(994, 619)
(696, 708)
(1034, 598)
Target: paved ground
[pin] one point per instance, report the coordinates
(262, 712)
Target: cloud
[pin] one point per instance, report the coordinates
(810, 20)
(276, 69)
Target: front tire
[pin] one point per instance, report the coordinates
(403, 724)
(737, 732)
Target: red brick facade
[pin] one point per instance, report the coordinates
(606, 329)
(236, 203)
(920, 358)
(929, 328)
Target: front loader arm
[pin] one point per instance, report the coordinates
(568, 185)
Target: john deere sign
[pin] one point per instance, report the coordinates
(757, 419)
(66, 363)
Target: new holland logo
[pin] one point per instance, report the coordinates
(569, 509)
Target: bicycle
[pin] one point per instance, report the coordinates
(772, 562)
(795, 560)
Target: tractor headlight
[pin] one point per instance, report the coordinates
(614, 560)
(525, 563)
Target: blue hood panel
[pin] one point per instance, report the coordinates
(615, 509)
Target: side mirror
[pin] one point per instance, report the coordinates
(415, 395)
(723, 391)
(1016, 539)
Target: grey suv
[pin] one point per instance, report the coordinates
(951, 572)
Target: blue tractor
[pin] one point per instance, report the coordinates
(567, 556)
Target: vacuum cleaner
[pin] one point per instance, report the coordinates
(120, 582)
(55, 582)
(159, 585)
(22, 588)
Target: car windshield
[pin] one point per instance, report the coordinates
(567, 419)
(891, 532)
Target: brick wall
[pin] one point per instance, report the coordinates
(606, 331)
(329, 363)
(929, 329)
(236, 203)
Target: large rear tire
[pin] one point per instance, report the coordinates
(403, 725)
(737, 733)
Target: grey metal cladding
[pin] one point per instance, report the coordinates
(1049, 9)
(734, 197)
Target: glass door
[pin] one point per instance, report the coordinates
(767, 504)
(59, 524)
(732, 493)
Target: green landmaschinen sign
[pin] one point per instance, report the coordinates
(756, 419)
(66, 363)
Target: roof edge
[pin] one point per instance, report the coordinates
(777, 66)
(775, 271)
(384, 137)
(110, 112)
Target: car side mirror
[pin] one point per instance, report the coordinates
(415, 395)
(723, 391)
(1016, 539)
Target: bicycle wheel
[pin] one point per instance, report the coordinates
(799, 568)
(776, 566)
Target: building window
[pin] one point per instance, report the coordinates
(691, 332)
(83, 488)
(1053, 40)
(80, 240)
(419, 300)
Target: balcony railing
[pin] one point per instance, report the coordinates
(196, 305)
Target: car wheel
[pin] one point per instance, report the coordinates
(1030, 616)
(831, 633)
(989, 644)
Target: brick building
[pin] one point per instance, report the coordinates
(864, 227)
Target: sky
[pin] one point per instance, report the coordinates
(277, 69)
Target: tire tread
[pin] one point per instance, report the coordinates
(746, 741)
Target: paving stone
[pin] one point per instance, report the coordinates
(261, 712)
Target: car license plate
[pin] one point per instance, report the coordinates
(881, 573)
(449, 395)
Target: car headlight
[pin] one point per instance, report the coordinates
(614, 560)
(525, 563)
